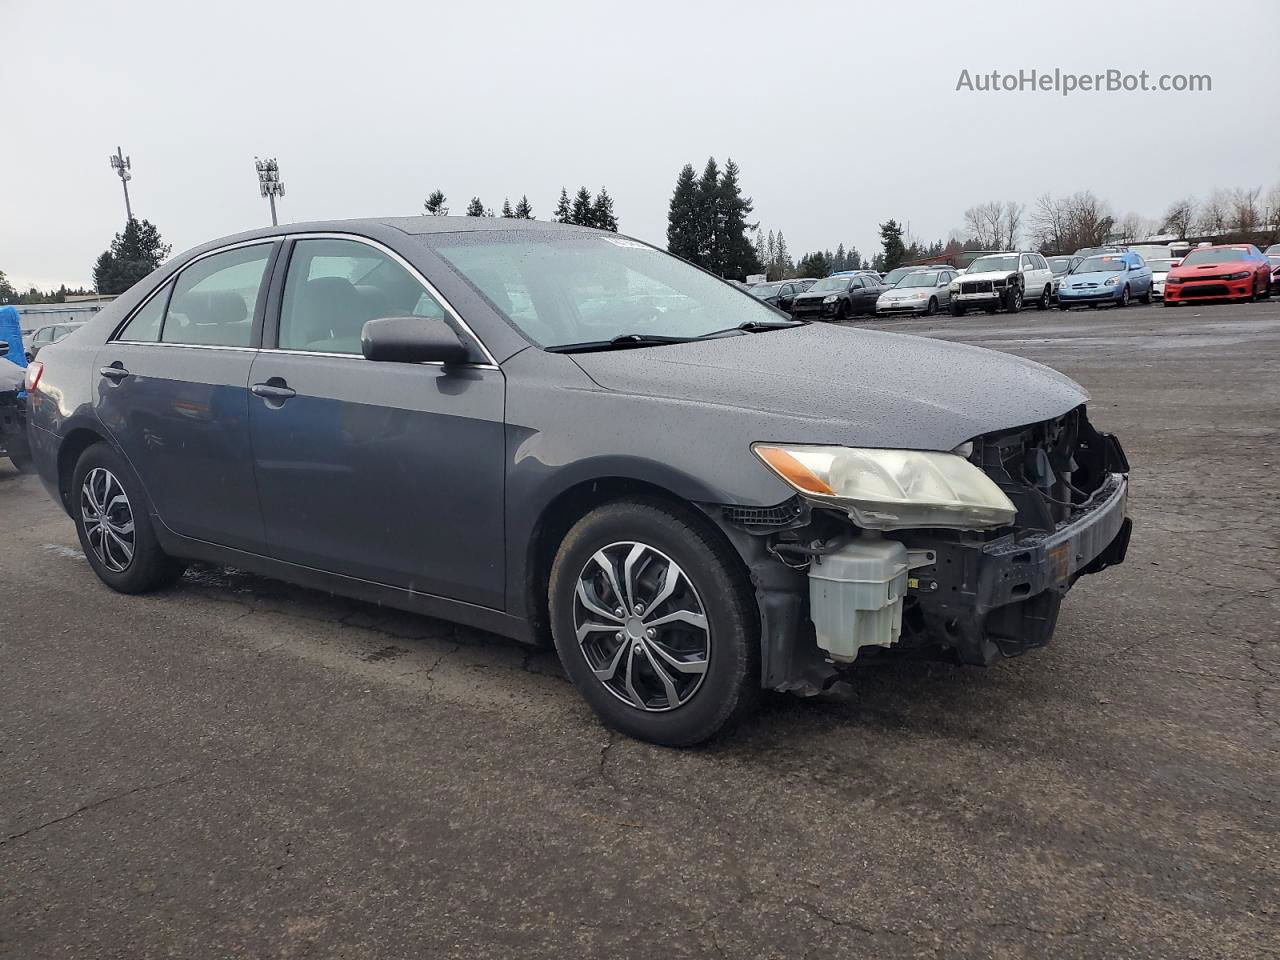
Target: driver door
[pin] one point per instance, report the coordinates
(389, 472)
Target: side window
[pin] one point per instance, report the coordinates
(214, 298)
(1027, 263)
(334, 286)
(144, 326)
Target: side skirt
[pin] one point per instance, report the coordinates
(441, 608)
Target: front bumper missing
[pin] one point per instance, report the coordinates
(1001, 597)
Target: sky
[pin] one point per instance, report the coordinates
(840, 115)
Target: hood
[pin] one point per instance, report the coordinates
(988, 275)
(907, 293)
(1099, 277)
(1210, 269)
(823, 384)
(818, 294)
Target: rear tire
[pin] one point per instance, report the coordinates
(712, 672)
(113, 522)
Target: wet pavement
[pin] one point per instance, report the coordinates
(238, 767)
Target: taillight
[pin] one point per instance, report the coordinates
(34, 371)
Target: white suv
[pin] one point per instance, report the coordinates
(1006, 280)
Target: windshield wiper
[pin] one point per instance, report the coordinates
(622, 341)
(755, 326)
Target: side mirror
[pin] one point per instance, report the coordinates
(4, 348)
(412, 340)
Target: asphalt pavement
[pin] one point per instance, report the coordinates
(241, 768)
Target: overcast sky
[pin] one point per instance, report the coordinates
(840, 115)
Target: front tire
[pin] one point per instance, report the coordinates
(932, 308)
(654, 622)
(1045, 298)
(1013, 301)
(957, 310)
(1124, 297)
(114, 526)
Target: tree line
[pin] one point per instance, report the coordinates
(582, 209)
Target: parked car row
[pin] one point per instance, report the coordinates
(1093, 276)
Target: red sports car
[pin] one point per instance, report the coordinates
(1226, 272)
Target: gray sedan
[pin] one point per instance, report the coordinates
(568, 436)
(922, 291)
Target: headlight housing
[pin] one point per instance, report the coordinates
(831, 298)
(955, 286)
(892, 489)
(1238, 276)
(1112, 282)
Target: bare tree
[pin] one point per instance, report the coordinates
(1271, 213)
(1245, 217)
(1215, 212)
(1049, 224)
(994, 225)
(1180, 218)
(1132, 227)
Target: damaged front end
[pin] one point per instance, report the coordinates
(831, 590)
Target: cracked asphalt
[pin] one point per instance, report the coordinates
(238, 767)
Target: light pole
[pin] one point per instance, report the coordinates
(120, 164)
(269, 183)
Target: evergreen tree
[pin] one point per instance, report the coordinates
(841, 261)
(488, 212)
(762, 252)
(708, 219)
(435, 204)
(855, 259)
(816, 264)
(770, 249)
(682, 217)
(782, 259)
(738, 256)
(133, 254)
(523, 210)
(583, 214)
(475, 208)
(894, 249)
(564, 212)
(7, 293)
(507, 212)
(602, 212)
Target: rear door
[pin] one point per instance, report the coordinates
(172, 391)
(389, 472)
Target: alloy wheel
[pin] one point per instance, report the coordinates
(641, 626)
(107, 516)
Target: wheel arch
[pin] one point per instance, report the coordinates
(76, 442)
(573, 503)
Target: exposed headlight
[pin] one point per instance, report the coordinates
(831, 298)
(955, 286)
(892, 489)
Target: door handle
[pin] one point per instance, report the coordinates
(273, 391)
(114, 373)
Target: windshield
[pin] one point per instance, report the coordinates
(893, 276)
(919, 280)
(1060, 265)
(994, 264)
(830, 283)
(1161, 266)
(1101, 265)
(561, 289)
(1215, 256)
(762, 290)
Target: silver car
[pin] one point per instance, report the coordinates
(921, 291)
(46, 335)
(1159, 270)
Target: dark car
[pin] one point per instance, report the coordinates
(838, 298)
(782, 293)
(556, 433)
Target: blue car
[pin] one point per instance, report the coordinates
(1114, 278)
